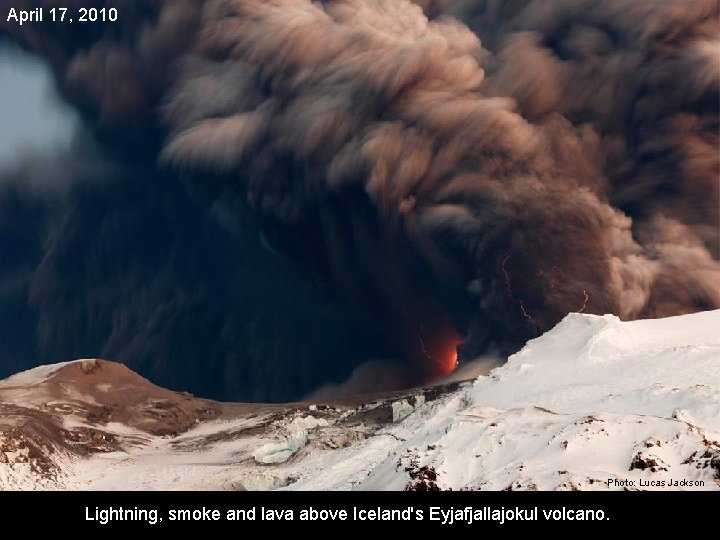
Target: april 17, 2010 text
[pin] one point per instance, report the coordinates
(62, 15)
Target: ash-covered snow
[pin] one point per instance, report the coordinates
(594, 399)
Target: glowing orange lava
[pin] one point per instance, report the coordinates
(439, 349)
(448, 358)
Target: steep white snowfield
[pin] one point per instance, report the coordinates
(595, 403)
(592, 400)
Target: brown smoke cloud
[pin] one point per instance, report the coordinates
(468, 167)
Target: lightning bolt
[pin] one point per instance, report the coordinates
(508, 284)
(586, 297)
(423, 347)
(508, 287)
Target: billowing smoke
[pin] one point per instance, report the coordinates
(124, 264)
(466, 170)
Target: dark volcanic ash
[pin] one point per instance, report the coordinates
(473, 176)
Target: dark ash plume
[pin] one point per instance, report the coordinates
(124, 264)
(473, 176)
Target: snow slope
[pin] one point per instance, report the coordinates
(593, 399)
(595, 403)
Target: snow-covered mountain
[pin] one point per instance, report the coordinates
(595, 403)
